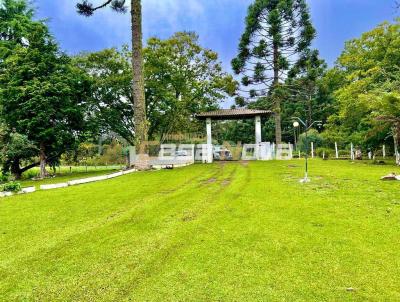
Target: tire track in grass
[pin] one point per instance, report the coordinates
(122, 215)
(160, 242)
(31, 255)
(185, 237)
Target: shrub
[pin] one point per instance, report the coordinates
(313, 136)
(11, 187)
(30, 174)
(328, 152)
(4, 177)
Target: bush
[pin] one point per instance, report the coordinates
(11, 187)
(4, 177)
(313, 136)
(328, 152)
(30, 174)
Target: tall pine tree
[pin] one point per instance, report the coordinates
(86, 8)
(277, 33)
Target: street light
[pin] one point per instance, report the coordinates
(307, 127)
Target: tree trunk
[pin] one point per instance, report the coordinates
(15, 169)
(277, 110)
(139, 101)
(42, 157)
(396, 136)
(309, 108)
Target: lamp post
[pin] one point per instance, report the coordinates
(307, 126)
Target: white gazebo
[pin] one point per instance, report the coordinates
(232, 114)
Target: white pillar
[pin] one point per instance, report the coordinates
(384, 151)
(209, 137)
(209, 141)
(258, 129)
(352, 151)
(257, 122)
(312, 149)
(336, 150)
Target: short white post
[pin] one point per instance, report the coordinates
(384, 151)
(258, 135)
(351, 151)
(312, 149)
(209, 141)
(336, 150)
(323, 154)
(299, 154)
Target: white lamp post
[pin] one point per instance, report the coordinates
(307, 127)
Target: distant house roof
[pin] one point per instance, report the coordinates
(236, 114)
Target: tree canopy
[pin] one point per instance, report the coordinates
(370, 69)
(182, 79)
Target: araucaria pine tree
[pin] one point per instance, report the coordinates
(86, 8)
(276, 35)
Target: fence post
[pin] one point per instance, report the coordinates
(352, 151)
(312, 149)
(384, 151)
(336, 150)
(299, 154)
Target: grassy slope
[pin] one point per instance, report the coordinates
(231, 232)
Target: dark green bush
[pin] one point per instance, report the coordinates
(11, 187)
(4, 177)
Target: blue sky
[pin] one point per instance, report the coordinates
(218, 22)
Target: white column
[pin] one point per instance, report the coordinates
(312, 149)
(258, 136)
(352, 151)
(209, 141)
(258, 129)
(336, 150)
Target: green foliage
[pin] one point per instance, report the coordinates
(276, 33)
(181, 77)
(368, 95)
(11, 187)
(4, 176)
(312, 136)
(14, 148)
(42, 95)
(111, 101)
(15, 25)
(327, 151)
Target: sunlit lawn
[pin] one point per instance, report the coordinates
(220, 232)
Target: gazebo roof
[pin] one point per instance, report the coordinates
(232, 114)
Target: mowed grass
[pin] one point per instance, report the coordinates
(220, 232)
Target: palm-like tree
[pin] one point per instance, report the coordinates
(86, 8)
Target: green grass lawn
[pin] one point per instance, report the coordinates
(220, 232)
